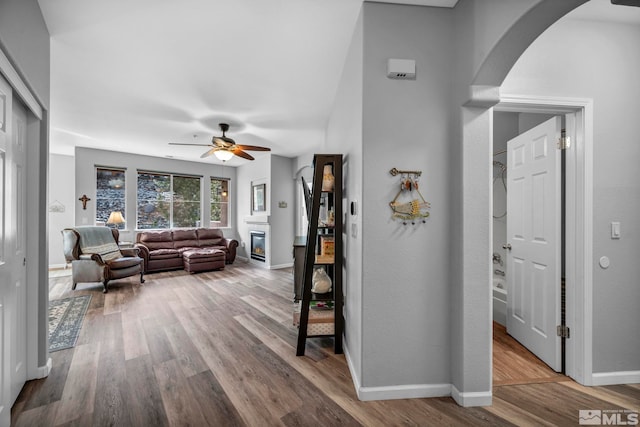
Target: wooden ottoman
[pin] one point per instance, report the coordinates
(203, 259)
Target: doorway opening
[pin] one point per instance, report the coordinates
(525, 348)
(513, 115)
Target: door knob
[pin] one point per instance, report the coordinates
(506, 246)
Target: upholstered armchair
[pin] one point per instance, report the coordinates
(95, 256)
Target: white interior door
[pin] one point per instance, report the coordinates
(18, 302)
(6, 255)
(13, 302)
(534, 236)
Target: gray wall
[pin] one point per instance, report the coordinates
(344, 135)
(406, 339)
(600, 61)
(25, 40)
(62, 183)
(282, 218)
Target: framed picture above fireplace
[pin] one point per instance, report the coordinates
(258, 196)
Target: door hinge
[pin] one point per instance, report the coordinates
(563, 331)
(564, 142)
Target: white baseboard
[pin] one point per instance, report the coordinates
(43, 371)
(415, 391)
(412, 391)
(472, 398)
(614, 378)
(278, 266)
(354, 377)
(57, 266)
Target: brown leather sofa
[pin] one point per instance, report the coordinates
(164, 249)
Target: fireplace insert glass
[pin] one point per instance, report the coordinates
(258, 246)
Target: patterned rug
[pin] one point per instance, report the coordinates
(65, 321)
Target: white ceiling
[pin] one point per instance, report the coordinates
(133, 76)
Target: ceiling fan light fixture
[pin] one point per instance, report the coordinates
(223, 155)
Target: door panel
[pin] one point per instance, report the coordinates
(7, 251)
(13, 297)
(19, 300)
(534, 233)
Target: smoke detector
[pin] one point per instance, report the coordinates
(401, 69)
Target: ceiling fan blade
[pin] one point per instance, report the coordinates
(186, 143)
(253, 148)
(238, 152)
(208, 153)
(222, 141)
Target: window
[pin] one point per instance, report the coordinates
(110, 194)
(219, 202)
(167, 200)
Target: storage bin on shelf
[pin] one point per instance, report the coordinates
(321, 320)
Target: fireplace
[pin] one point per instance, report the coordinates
(258, 246)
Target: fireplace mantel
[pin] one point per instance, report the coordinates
(257, 219)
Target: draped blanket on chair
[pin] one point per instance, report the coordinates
(98, 240)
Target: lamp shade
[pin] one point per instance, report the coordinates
(223, 155)
(115, 218)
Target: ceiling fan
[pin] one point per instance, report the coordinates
(224, 148)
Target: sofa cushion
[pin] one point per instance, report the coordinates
(164, 254)
(208, 253)
(187, 248)
(118, 263)
(156, 239)
(210, 237)
(185, 239)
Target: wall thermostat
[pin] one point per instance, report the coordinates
(403, 69)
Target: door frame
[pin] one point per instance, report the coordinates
(39, 362)
(579, 220)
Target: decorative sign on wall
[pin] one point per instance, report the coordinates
(56, 207)
(409, 204)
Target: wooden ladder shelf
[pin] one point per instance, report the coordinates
(324, 250)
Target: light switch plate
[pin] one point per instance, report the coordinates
(615, 230)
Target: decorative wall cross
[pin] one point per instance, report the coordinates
(84, 199)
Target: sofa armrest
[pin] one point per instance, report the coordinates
(130, 252)
(143, 252)
(231, 244)
(70, 244)
(92, 257)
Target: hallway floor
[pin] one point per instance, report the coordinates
(514, 364)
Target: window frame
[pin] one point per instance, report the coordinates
(123, 170)
(227, 202)
(171, 201)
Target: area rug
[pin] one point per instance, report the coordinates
(65, 321)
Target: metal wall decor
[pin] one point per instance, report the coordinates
(409, 204)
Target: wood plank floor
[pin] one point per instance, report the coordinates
(514, 364)
(218, 348)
